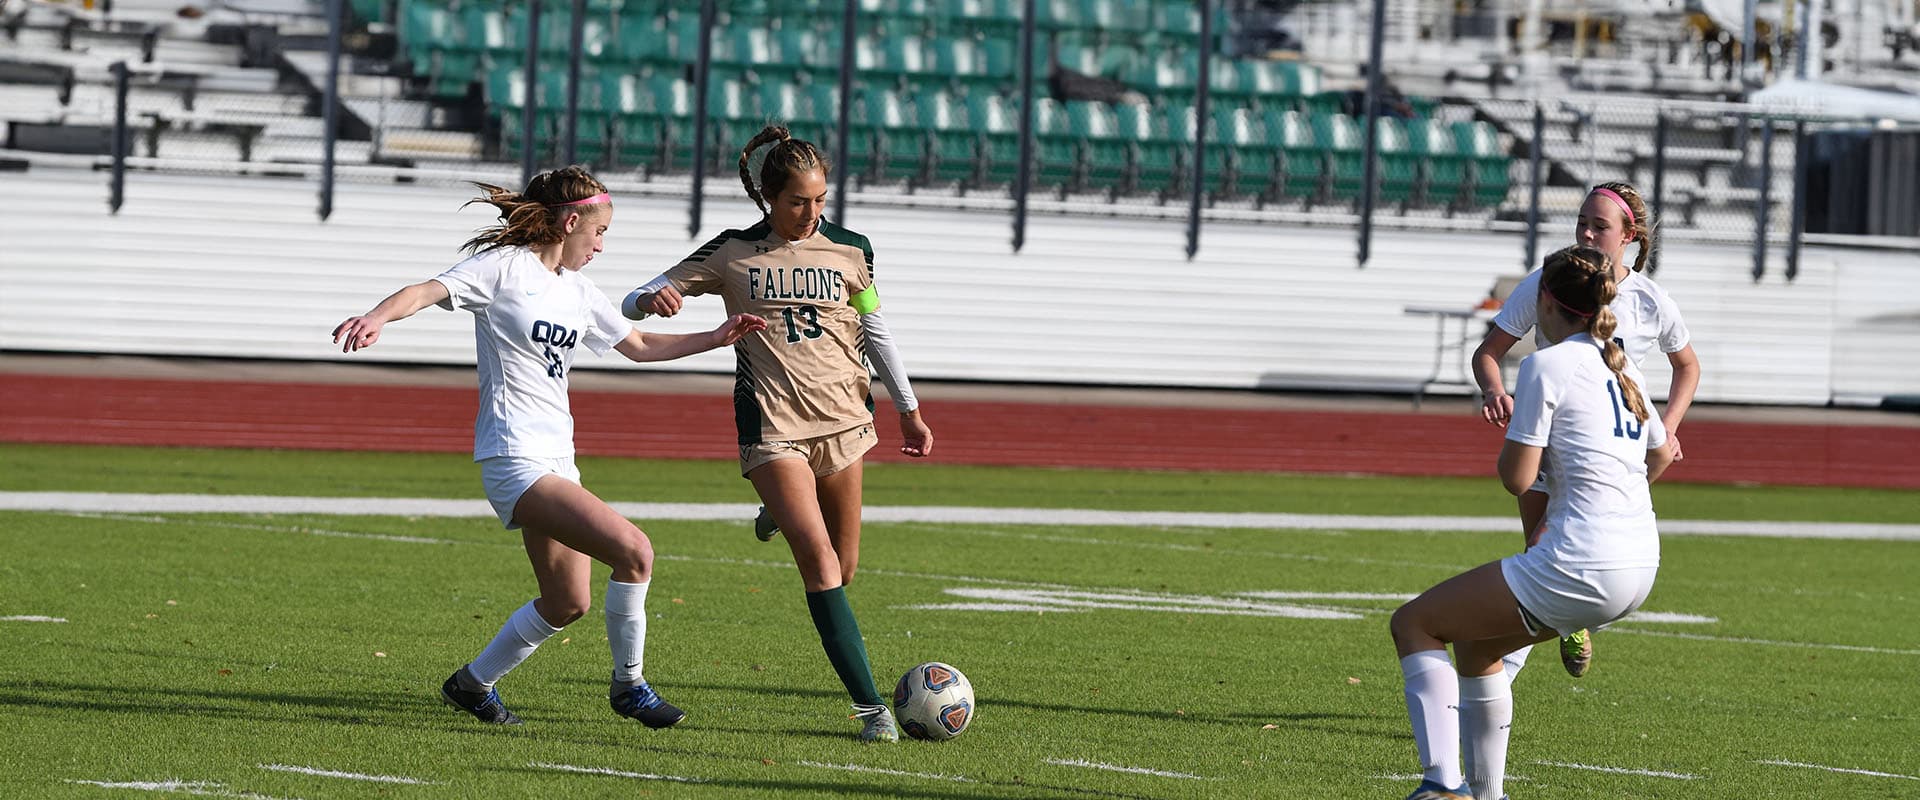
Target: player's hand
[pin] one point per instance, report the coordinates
(1673, 441)
(357, 332)
(1497, 409)
(919, 437)
(736, 327)
(665, 302)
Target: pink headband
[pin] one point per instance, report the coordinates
(1615, 196)
(597, 199)
(1570, 309)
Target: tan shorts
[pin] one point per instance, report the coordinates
(825, 454)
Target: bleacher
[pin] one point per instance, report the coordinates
(935, 103)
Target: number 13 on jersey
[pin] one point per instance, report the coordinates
(811, 315)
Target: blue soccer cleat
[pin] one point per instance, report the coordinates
(1428, 790)
(484, 706)
(639, 701)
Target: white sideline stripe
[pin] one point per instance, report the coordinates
(645, 776)
(1081, 762)
(352, 776)
(1670, 617)
(1651, 773)
(1045, 599)
(428, 507)
(1851, 648)
(31, 618)
(1326, 596)
(199, 788)
(378, 537)
(1841, 769)
(932, 776)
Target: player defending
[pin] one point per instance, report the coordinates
(531, 307)
(800, 397)
(1612, 216)
(1578, 415)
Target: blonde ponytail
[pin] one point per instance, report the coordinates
(1580, 281)
(531, 218)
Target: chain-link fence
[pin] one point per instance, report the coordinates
(1174, 108)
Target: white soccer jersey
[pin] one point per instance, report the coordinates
(1601, 514)
(1647, 315)
(526, 322)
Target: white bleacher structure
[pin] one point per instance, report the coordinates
(218, 251)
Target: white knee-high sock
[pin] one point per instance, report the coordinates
(1513, 661)
(1510, 668)
(1486, 716)
(1433, 698)
(627, 629)
(517, 639)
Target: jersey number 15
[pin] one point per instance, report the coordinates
(1624, 425)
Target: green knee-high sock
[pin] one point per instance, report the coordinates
(840, 637)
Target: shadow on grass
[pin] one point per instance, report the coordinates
(975, 788)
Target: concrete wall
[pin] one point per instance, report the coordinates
(243, 268)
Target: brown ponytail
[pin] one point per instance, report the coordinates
(1642, 226)
(787, 158)
(1580, 282)
(531, 218)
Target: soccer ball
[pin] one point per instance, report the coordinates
(933, 702)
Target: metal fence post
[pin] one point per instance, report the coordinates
(1023, 176)
(1370, 156)
(576, 40)
(843, 121)
(1200, 119)
(329, 115)
(702, 74)
(1799, 219)
(1760, 208)
(1533, 189)
(117, 184)
(1659, 181)
(529, 93)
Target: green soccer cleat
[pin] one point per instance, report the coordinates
(1576, 652)
(763, 526)
(879, 725)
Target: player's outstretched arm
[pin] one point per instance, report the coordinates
(364, 330)
(640, 346)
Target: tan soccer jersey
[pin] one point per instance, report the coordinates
(806, 374)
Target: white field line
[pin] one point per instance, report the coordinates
(378, 537)
(1029, 599)
(645, 776)
(949, 530)
(198, 788)
(31, 618)
(1851, 648)
(1651, 773)
(932, 776)
(427, 507)
(352, 776)
(1083, 763)
(1841, 769)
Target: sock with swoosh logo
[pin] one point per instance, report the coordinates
(627, 629)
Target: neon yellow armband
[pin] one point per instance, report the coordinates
(867, 300)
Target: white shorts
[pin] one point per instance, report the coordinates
(508, 477)
(1564, 600)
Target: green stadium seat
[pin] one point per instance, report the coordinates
(642, 40)
(898, 150)
(953, 145)
(1443, 181)
(993, 118)
(1399, 166)
(1056, 150)
(1156, 162)
(1185, 129)
(1240, 134)
(1302, 162)
(1107, 160)
(1339, 137)
(1489, 164)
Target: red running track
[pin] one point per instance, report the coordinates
(97, 410)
